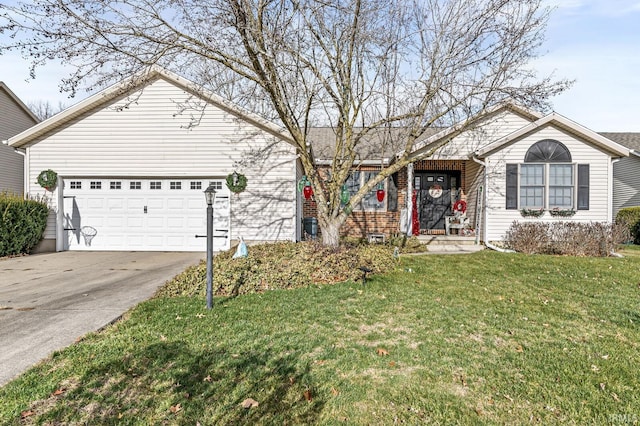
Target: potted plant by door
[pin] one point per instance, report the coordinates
(48, 179)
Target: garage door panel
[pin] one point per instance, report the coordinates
(176, 222)
(135, 203)
(172, 219)
(155, 222)
(156, 203)
(135, 222)
(155, 241)
(95, 203)
(115, 204)
(196, 203)
(117, 222)
(175, 203)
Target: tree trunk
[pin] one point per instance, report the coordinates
(331, 233)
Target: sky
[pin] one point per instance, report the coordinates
(594, 42)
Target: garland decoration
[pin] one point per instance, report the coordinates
(48, 179)
(236, 182)
(562, 212)
(532, 212)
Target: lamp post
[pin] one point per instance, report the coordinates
(210, 196)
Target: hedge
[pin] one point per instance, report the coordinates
(22, 223)
(630, 216)
(566, 238)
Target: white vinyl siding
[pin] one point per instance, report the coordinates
(150, 138)
(490, 129)
(498, 219)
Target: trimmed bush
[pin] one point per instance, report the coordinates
(282, 265)
(566, 238)
(630, 216)
(22, 223)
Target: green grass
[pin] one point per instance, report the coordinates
(487, 338)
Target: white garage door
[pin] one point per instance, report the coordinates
(142, 214)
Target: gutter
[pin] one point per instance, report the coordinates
(486, 243)
(484, 185)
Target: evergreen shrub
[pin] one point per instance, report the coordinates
(22, 223)
(630, 216)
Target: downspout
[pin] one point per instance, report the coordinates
(484, 214)
(25, 169)
(610, 213)
(610, 206)
(484, 186)
(409, 199)
(60, 216)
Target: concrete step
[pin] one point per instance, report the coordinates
(446, 240)
(449, 249)
(455, 248)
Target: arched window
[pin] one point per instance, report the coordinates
(547, 179)
(547, 151)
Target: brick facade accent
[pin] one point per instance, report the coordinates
(362, 223)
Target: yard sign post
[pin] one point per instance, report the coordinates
(210, 196)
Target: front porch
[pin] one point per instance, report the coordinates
(444, 197)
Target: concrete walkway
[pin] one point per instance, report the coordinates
(47, 301)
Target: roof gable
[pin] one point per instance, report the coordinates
(448, 134)
(554, 119)
(130, 86)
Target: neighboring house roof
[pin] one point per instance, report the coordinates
(129, 86)
(630, 140)
(17, 100)
(565, 124)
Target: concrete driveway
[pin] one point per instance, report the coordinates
(49, 300)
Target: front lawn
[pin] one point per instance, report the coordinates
(487, 338)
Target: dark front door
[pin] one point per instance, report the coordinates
(434, 197)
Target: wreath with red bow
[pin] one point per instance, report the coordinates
(460, 206)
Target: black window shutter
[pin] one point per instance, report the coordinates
(583, 187)
(512, 187)
(392, 193)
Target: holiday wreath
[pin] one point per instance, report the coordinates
(236, 182)
(48, 179)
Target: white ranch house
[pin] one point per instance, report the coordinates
(133, 161)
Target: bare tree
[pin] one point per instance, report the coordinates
(355, 65)
(44, 109)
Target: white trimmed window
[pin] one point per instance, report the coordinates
(547, 179)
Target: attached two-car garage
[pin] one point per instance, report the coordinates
(156, 214)
(133, 160)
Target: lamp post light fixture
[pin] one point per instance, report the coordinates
(210, 196)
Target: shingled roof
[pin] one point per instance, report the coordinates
(380, 143)
(629, 140)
